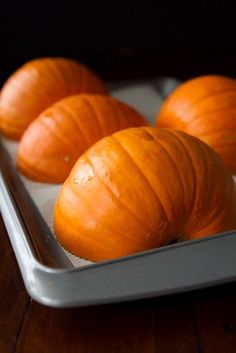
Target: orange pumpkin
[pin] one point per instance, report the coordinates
(205, 107)
(62, 133)
(37, 85)
(139, 189)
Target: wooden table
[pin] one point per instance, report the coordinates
(197, 322)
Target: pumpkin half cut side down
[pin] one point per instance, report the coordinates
(62, 133)
(37, 85)
(205, 107)
(138, 189)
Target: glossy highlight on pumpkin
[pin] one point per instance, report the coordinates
(205, 107)
(139, 189)
(37, 85)
(62, 133)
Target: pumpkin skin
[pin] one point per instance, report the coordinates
(139, 189)
(62, 133)
(205, 107)
(37, 85)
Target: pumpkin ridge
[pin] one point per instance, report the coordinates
(20, 88)
(56, 132)
(213, 217)
(190, 106)
(193, 170)
(56, 78)
(215, 94)
(116, 109)
(70, 226)
(88, 207)
(88, 239)
(8, 105)
(112, 192)
(170, 158)
(70, 77)
(206, 171)
(143, 176)
(198, 117)
(71, 114)
(120, 114)
(89, 105)
(205, 196)
(95, 113)
(195, 117)
(43, 93)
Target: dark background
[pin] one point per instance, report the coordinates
(139, 39)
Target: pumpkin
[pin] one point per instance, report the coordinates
(206, 108)
(62, 133)
(139, 189)
(37, 85)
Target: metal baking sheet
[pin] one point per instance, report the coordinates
(54, 277)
